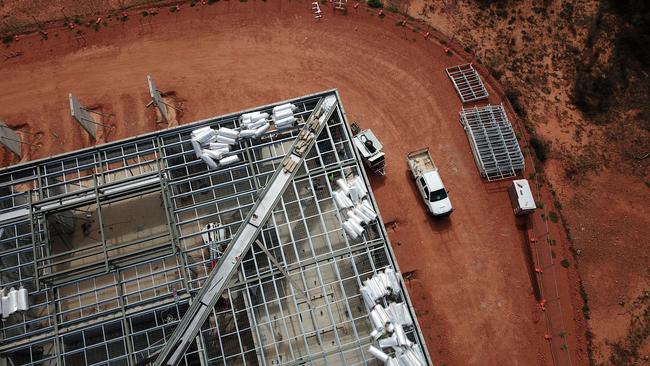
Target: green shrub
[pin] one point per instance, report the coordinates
(565, 263)
(541, 148)
(7, 39)
(375, 4)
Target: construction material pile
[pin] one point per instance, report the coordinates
(15, 300)
(283, 116)
(213, 146)
(350, 199)
(393, 347)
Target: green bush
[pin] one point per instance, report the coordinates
(375, 4)
(541, 148)
(565, 263)
(7, 39)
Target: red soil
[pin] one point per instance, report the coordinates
(472, 291)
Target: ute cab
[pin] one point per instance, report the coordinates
(434, 194)
(429, 183)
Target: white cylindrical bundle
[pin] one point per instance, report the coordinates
(197, 148)
(282, 114)
(376, 321)
(362, 187)
(361, 215)
(219, 146)
(401, 336)
(259, 116)
(343, 185)
(208, 160)
(199, 131)
(388, 342)
(284, 106)
(338, 200)
(6, 306)
(23, 299)
(214, 154)
(381, 356)
(246, 134)
(229, 160)
(13, 300)
(378, 289)
(228, 132)
(346, 199)
(354, 194)
(250, 115)
(375, 334)
(260, 130)
(205, 136)
(354, 218)
(370, 214)
(367, 297)
(350, 231)
(284, 127)
(382, 313)
(289, 121)
(390, 328)
(226, 140)
(392, 362)
(394, 280)
(255, 125)
(411, 358)
(356, 227)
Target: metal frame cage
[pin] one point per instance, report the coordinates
(108, 242)
(493, 141)
(467, 82)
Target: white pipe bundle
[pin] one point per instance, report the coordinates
(260, 130)
(22, 299)
(226, 140)
(282, 113)
(203, 135)
(229, 160)
(350, 231)
(247, 134)
(209, 161)
(15, 300)
(228, 132)
(255, 125)
(284, 106)
(214, 154)
(380, 285)
(219, 146)
(343, 185)
(342, 201)
(398, 314)
(379, 354)
(197, 148)
(285, 122)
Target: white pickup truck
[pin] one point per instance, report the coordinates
(429, 183)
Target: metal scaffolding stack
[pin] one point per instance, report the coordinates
(467, 82)
(493, 141)
(109, 242)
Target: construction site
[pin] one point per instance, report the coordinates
(290, 183)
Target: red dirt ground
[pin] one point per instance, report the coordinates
(472, 291)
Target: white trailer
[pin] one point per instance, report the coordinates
(521, 197)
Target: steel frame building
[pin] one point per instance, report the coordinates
(108, 242)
